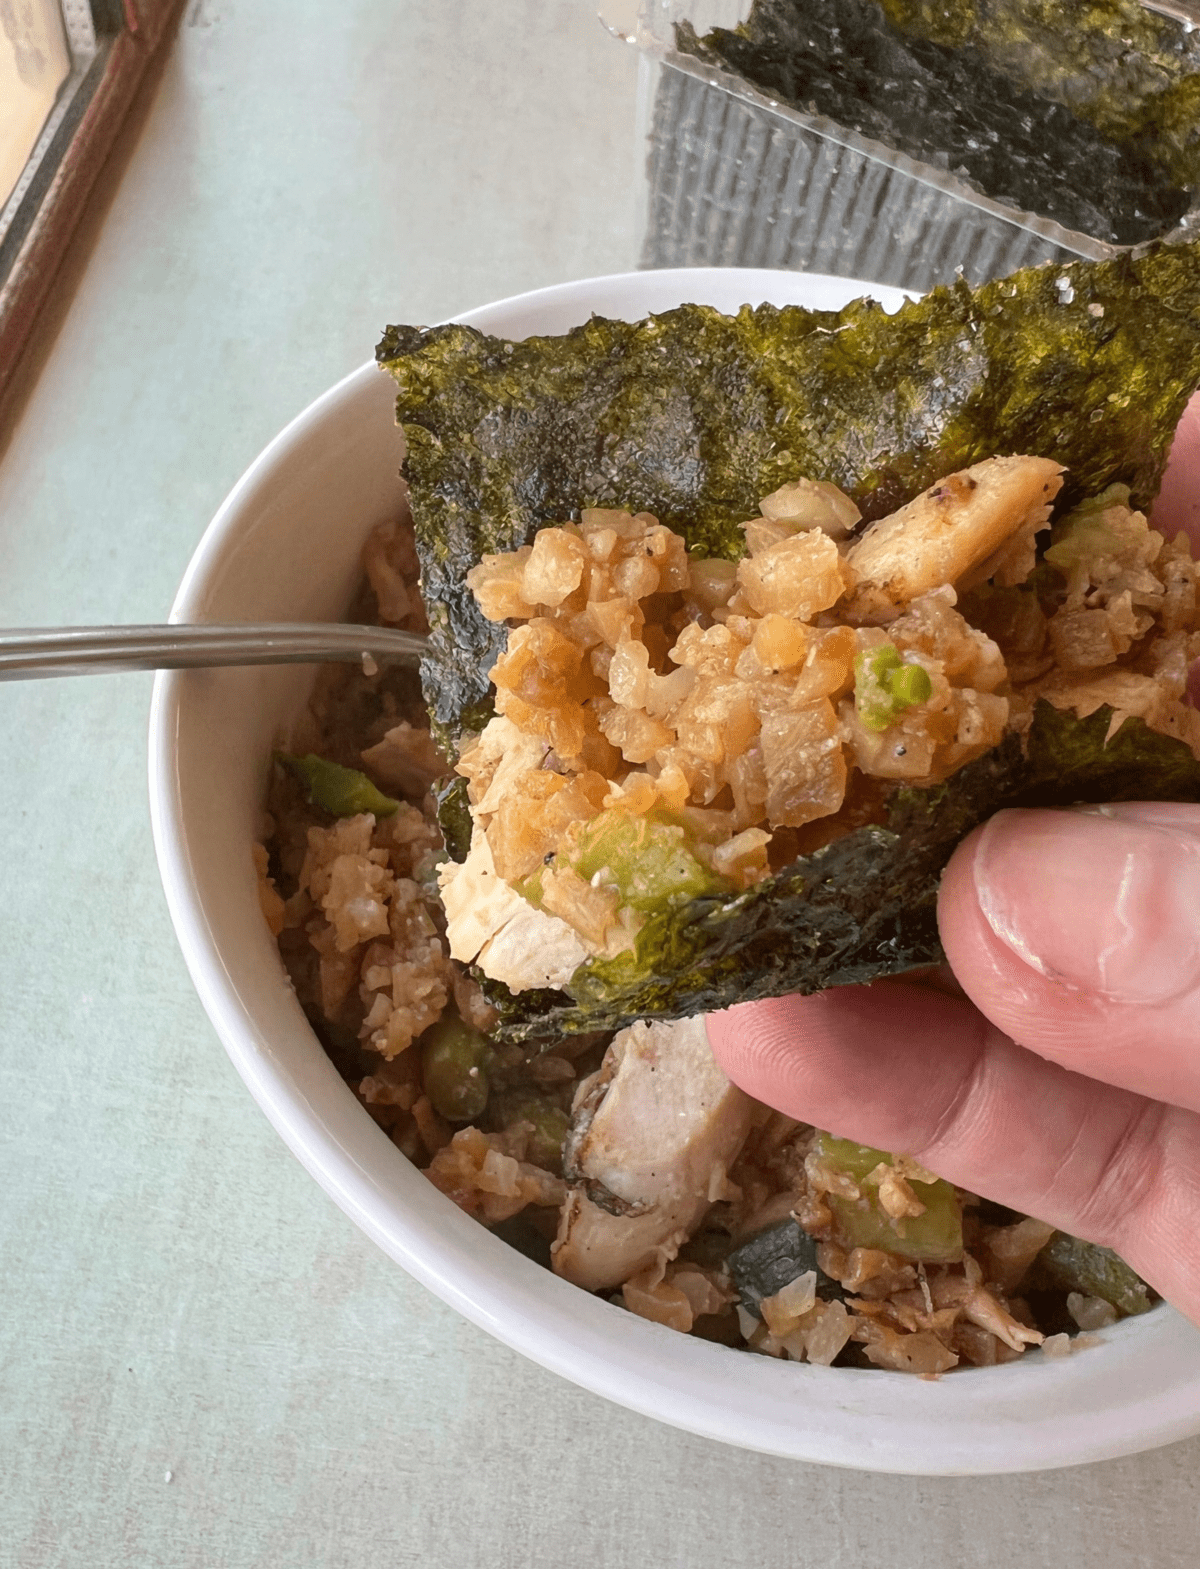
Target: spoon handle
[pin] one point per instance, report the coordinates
(32, 652)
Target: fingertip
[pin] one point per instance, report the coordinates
(874, 1063)
(979, 960)
(1177, 505)
(759, 1044)
(1072, 932)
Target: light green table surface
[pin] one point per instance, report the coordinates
(202, 1362)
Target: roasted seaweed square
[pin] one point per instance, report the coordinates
(1084, 114)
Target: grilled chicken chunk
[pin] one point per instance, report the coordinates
(655, 1131)
(952, 533)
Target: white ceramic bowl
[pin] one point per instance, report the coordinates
(285, 546)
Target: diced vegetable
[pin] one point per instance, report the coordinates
(343, 791)
(884, 686)
(550, 1124)
(454, 1066)
(934, 1236)
(1084, 533)
(1070, 1264)
(649, 862)
(774, 1258)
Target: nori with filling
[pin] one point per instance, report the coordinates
(862, 907)
(694, 416)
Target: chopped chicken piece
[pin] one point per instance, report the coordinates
(654, 1132)
(951, 529)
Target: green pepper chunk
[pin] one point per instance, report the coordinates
(910, 684)
(884, 686)
(1083, 534)
(1071, 1264)
(454, 1068)
(932, 1238)
(650, 862)
(344, 792)
(550, 1125)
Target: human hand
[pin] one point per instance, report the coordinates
(1066, 1083)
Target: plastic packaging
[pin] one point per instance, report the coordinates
(736, 178)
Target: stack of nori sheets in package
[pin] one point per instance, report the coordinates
(1077, 122)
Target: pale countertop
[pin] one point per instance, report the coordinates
(203, 1362)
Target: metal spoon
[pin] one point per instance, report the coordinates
(31, 652)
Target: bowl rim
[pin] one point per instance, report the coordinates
(844, 1417)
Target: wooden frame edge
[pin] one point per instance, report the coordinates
(27, 288)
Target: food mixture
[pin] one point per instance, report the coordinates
(669, 726)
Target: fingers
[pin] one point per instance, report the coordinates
(1178, 503)
(907, 1069)
(1078, 934)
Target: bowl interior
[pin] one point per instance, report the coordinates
(285, 546)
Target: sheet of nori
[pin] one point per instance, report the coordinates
(694, 416)
(1131, 72)
(951, 107)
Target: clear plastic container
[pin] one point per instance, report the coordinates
(738, 179)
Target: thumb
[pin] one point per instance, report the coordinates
(1078, 934)
(1177, 505)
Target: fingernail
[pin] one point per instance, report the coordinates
(1105, 901)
